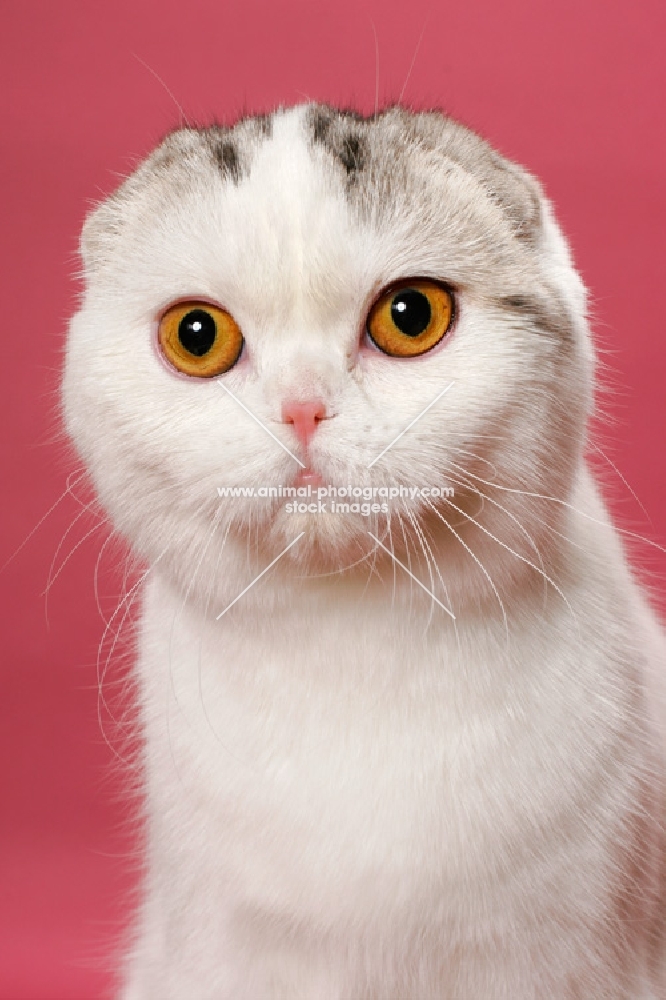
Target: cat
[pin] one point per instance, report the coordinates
(407, 751)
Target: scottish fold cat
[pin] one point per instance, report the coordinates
(400, 697)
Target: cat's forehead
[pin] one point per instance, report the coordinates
(319, 208)
(380, 163)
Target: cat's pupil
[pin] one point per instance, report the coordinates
(410, 311)
(197, 331)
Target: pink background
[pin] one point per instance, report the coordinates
(574, 89)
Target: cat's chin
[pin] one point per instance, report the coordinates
(322, 542)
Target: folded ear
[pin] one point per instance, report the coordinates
(105, 223)
(520, 197)
(523, 198)
(97, 236)
(557, 256)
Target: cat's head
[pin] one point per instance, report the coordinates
(300, 289)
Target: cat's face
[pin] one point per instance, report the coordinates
(291, 229)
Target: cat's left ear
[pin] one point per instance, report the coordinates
(521, 197)
(533, 217)
(540, 225)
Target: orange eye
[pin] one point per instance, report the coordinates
(411, 318)
(200, 339)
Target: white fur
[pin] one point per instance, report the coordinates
(350, 796)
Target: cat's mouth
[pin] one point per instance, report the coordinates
(308, 477)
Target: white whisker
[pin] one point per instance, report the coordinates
(67, 491)
(518, 555)
(444, 587)
(163, 84)
(98, 561)
(416, 52)
(52, 577)
(374, 32)
(410, 574)
(520, 527)
(101, 673)
(619, 474)
(419, 538)
(569, 506)
(479, 564)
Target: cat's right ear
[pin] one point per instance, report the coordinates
(109, 219)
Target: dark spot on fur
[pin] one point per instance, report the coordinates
(330, 128)
(549, 316)
(264, 124)
(321, 122)
(227, 160)
(352, 154)
(518, 302)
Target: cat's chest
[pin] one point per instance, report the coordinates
(327, 765)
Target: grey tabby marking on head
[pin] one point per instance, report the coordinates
(227, 160)
(394, 136)
(396, 165)
(377, 145)
(233, 148)
(346, 145)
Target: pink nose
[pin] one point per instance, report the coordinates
(304, 417)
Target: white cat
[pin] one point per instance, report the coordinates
(422, 756)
